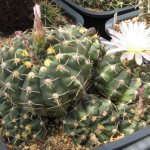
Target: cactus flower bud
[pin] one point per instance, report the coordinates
(38, 32)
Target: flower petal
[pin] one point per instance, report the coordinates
(114, 50)
(146, 55)
(138, 59)
(130, 56)
(124, 56)
(134, 38)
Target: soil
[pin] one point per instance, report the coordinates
(15, 15)
(116, 26)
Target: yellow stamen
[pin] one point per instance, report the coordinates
(43, 69)
(95, 36)
(25, 53)
(28, 64)
(50, 50)
(31, 75)
(135, 50)
(47, 62)
(28, 127)
(82, 30)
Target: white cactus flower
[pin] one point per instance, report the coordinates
(134, 39)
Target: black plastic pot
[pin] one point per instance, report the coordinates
(2, 144)
(97, 19)
(109, 24)
(77, 18)
(138, 141)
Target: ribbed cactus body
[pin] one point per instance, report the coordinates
(92, 122)
(21, 126)
(120, 81)
(56, 77)
(133, 118)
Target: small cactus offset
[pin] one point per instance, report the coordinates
(133, 118)
(46, 71)
(93, 122)
(105, 5)
(20, 126)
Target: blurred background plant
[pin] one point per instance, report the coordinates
(52, 14)
(105, 5)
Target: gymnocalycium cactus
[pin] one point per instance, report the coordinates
(21, 126)
(117, 75)
(46, 71)
(93, 122)
(105, 5)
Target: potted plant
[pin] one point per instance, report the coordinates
(56, 13)
(141, 14)
(121, 79)
(97, 13)
(18, 15)
(127, 16)
(43, 75)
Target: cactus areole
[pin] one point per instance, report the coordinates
(46, 71)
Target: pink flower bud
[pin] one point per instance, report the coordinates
(141, 90)
(39, 32)
(18, 33)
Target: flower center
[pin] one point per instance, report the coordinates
(135, 50)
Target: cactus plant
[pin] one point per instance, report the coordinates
(135, 115)
(117, 75)
(104, 5)
(133, 118)
(21, 126)
(94, 121)
(44, 72)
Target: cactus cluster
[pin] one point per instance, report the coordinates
(104, 5)
(97, 120)
(122, 82)
(44, 73)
